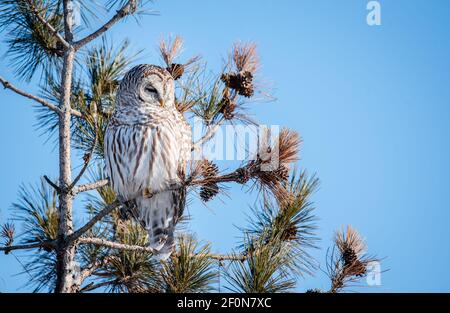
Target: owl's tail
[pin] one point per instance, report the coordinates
(159, 215)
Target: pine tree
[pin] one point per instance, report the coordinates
(79, 76)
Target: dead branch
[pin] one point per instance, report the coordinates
(7, 85)
(113, 245)
(125, 247)
(46, 244)
(91, 186)
(51, 183)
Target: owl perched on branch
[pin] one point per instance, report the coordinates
(147, 146)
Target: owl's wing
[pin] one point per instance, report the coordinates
(142, 159)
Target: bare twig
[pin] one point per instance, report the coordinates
(7, 85)
(51, 183)
(121, 246)
(86, 272)
(114, 245)
(46, 244)
(91, 186)
(127, 9)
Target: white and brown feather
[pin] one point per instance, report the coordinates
(146, 148)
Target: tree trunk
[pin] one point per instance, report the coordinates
(65, 269)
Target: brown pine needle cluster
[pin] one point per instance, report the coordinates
(269, 170)
(244, 63)
(170, 50)
(351, 246)
(352, 262)
(227, 106)
(245, 57)
(290, 234)
(271, 167)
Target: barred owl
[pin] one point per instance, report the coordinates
(147, 144)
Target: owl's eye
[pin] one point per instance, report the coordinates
(150, 89)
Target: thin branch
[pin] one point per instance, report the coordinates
(127, 9)
(91, 186)
(224, 257)
(211, 131)
(47, 244)
(121, 246)
(53, 31)
(85, 273)
(7, 85)
(77, 234)
(51, 183)
(114, 245)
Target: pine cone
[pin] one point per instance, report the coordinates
(176, 70)
(349, 256)
(351, 262)
(247, 89)
(209, 169)
(244, 175)
(359, 269)
(241, 82)
(209, 191)
(227, 107)
(282, 173)
(290, 233)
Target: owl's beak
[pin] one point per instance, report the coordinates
(161, 102)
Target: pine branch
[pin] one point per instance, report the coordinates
(91, 186)
(52, 30)
(114, 245)
(128, 9)
(120, 246)
(86, 272)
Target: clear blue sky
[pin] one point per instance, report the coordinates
(371, 103)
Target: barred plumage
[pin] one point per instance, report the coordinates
(147, 145)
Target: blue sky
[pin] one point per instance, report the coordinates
(371, 103)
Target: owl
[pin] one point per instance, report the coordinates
(147, 145)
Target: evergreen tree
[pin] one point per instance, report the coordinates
(79, 74)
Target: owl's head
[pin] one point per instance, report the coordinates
(147, 85)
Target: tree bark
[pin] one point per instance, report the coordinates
(65, 267)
